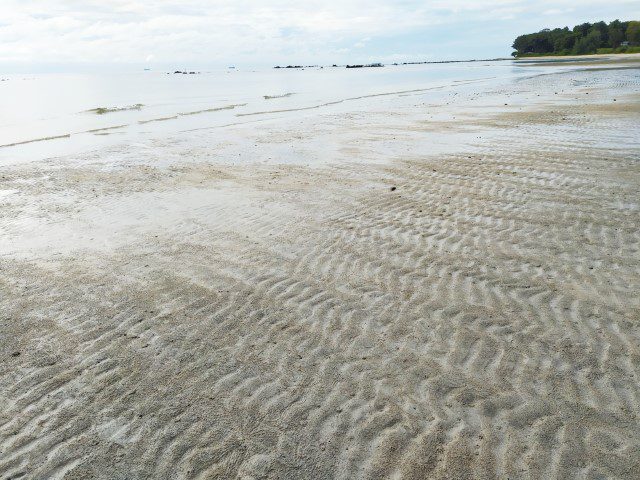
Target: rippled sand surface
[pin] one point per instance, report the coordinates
(433, 289)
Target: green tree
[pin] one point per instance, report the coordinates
(582, 39)
(534, 43)
(603, 30)
(564, 40)
(616, 34)
(588, 44)
(582, 30)
(633, 33)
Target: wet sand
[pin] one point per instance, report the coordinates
(611, 59)
(432, 289)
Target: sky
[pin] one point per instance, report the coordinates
(75, 34)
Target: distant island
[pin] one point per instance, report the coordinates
(585, 39)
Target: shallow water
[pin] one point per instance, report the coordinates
(56, 114)
(52, 115)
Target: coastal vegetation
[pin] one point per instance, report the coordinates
(585, 39)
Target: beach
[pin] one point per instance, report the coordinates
(438, 282)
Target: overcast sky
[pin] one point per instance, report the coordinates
(45, 34)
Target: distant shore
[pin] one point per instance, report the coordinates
(586, 55)
(593, 59)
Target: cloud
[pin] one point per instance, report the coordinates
(220, 31)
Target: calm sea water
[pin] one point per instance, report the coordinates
(56, 114)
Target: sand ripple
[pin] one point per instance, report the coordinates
(479, 321)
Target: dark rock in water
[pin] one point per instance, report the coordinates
(371, 65)
(177, 71)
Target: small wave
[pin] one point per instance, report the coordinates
(195, 112)
(216, 109)
(43, 139)
(351, 99)
(271, 97)
(105, 110)
(95, 130)
(160, 119)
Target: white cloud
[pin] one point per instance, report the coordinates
(201, 31)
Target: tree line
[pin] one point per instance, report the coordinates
(616, 37)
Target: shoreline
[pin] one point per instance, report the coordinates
(587, 55)
(610, 58)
